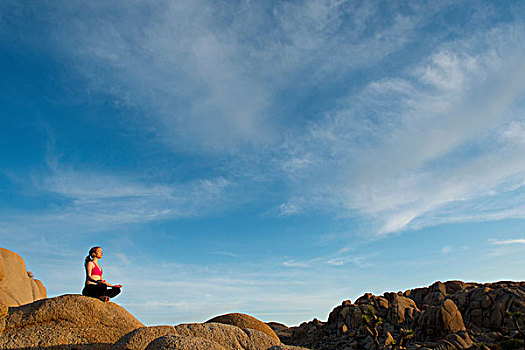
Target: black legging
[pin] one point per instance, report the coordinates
(100, 290)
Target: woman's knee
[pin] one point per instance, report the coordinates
(114, 291)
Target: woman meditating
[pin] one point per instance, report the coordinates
(96, 286)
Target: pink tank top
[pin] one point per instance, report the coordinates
(96, 270)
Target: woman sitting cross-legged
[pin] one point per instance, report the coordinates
(96, 286)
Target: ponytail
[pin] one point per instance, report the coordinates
(87, 259)
(90, 256)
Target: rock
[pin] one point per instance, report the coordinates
(436, 294)
(453, 287)
(450, 317)
(417, 294)
(456, 341)
(175, 342)
(438, 321)
(244, 321)
(283, 332)
(389, 339)
(3, 314)
(198, 336)
(2, 268)
(38, 289)
(16, 287)
(400, 309)
(66, 321)
(139, 338)
(489, 337)
(228, 336)
(487, 306)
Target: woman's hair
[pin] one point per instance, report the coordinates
(90, 256)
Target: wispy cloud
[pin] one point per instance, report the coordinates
(230, 254)
(97, 200)
(398, 141)
(507, 241)
(106, 198)
(405, 150)
(293, 263)
(289, 209)
(339, 258)
(208, 81)
(336, 262)
(446, 249)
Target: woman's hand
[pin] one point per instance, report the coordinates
(118, 286)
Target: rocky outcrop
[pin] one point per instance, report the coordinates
(198, 336)
(16, 287)
(449, 315)
(66, 321)
(244, 321)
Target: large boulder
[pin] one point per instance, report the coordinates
(16, 287)
(228, 336)
(401, 309)
(455, 286)
(66, 321)
(438, 321)
(436, 294)
(244, 321)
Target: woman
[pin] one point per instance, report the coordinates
(96, 286)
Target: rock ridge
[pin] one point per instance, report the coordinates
(444, 315)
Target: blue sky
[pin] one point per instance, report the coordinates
(272, 158)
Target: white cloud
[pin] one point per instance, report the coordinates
(124, 259)
(447, 72)
(230, 254)
(289, 209)
(515, 132)
(336, 262)
(446, 249)
(293, 263)
(507, 241)
(340, 258)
